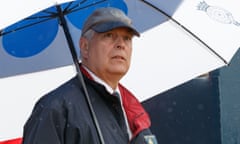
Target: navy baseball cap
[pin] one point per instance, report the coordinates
(106, 19)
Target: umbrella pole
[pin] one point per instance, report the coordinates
(79, 73)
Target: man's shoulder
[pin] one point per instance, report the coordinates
(66, 87)
(64, 92)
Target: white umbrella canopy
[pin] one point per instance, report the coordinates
(166, 54)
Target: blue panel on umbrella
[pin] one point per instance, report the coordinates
(32, 38)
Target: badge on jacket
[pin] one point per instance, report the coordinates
(150, 139)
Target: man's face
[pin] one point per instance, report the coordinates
(108, 54)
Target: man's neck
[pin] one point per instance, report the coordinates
(100, 81)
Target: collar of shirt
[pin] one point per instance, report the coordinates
(100, 81)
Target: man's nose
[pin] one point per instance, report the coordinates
(120, 43)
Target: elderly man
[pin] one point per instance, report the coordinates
(63, 116)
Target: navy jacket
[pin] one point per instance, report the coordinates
(63, 117)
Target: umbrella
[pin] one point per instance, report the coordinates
(180, 41)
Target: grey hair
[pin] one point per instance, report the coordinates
(88, 34)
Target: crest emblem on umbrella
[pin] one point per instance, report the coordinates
(218, 14)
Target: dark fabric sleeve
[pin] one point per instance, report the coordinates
(45, 126)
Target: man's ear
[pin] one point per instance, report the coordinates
(83, 43)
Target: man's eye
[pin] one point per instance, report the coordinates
(128, 38)
(108, 35)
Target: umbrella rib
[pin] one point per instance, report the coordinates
(44, 18)
(74, 9)
(186, 29)
(51, 16)
(67, 9)
(22, 27)
(68, 6)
